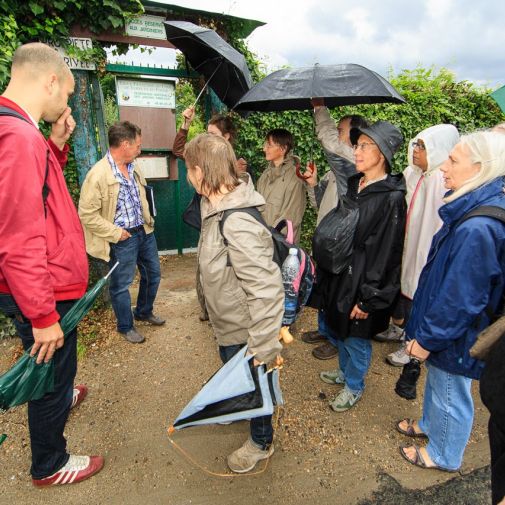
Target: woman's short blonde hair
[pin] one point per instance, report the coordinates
(488, 149)
(216, 158)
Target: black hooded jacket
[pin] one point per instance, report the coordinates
(372, 280)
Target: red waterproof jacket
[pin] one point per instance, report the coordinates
(42, 254)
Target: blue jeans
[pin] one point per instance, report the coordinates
(354, 355)
(447, 416)
(138, 250)
(47, 417)
(324, 330)
(262, 432)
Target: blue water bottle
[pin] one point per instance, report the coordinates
(290, 269)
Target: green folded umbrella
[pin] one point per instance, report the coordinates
(72, 318)
(27, 380)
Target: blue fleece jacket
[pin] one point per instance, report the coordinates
(464, 274)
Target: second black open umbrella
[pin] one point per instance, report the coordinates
(223, 67)
(293, 88)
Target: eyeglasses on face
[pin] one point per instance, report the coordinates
(417, 145)
(363, 146)
(269, 145)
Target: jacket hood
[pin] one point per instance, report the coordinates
(244, 195)
(488, 194)
(439, 141)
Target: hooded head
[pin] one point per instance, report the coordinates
(438, 142)
(476, 160)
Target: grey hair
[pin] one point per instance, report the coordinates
(486, 148)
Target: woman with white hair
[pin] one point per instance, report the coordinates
(459, 290)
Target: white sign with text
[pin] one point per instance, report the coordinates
(75, 63)
(150, 27)
(145, 93)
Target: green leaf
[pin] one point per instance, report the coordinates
(37, 9)
(115, 21)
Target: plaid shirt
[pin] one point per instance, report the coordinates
(129, 207)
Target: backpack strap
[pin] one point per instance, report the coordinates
(485, 211)
(499, 214)
(252, 211)
(7, 111)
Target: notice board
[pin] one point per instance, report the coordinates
(150, 104)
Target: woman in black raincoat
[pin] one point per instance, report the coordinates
(357, 302)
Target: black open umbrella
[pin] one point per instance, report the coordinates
(223, 67)
(293, 88)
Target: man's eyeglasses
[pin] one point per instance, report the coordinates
(363, 146)
(417, 145)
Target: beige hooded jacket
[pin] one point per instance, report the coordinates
(245, 301)
(284, 194)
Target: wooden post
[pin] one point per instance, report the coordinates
(85, 135)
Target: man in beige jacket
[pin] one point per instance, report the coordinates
(118, 227)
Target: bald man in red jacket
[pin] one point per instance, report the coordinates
(43, 264)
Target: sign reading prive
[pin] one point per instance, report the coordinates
(75, 63)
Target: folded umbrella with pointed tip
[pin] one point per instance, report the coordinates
(224, 68)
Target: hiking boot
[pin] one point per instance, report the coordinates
(244, 459)
(80, 392)
(344, 400)
(324, 351)
(77, 469)
(333, 377)
(152, 319)
(393, 334)
(312, 337)
(399, 357)
(133, 336)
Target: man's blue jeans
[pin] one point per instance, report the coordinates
(138, 250)
(47, 417)
(324, 330)
(354, 355)
(447, 416)
(262, 432)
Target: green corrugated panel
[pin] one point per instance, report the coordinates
(499, 97)
(168, 219)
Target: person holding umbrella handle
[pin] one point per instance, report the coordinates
(219, 124)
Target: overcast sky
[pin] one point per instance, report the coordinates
(466, 36)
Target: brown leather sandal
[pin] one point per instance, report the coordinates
(410, 431)
(419, 460)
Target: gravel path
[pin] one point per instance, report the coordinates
(320, 456)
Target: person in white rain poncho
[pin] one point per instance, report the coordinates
(425, 190)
